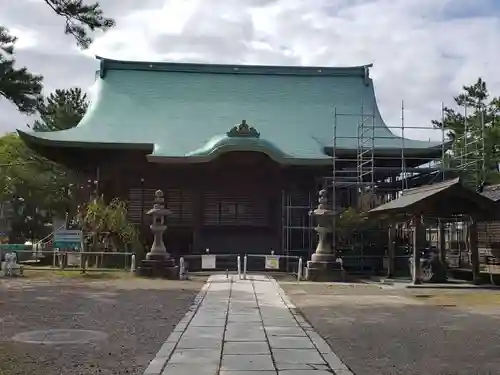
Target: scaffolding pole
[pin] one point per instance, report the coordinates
(467, 157)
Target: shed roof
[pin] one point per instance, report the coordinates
(441, 199)
(180, 111)
(492, 192)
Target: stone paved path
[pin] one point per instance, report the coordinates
(244, 327)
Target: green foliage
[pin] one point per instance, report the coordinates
(62, 109)
(81, 19)
(38, 187)
(17, 85)
(35, 186)
(350, 219)
(109, 224)
(476, 123)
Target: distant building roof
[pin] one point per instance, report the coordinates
(185, 111)
(440, 200)
(492, 192)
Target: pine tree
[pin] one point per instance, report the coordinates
(18, 85)
(62, 109)
(474, 129)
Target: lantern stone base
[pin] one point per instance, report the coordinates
(157, 266)
(324, 267)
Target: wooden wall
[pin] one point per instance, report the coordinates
(230, 204)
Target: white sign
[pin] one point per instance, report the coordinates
(208, 262)
(272, 262)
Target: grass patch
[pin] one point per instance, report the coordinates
(469, 298)
(50, 273)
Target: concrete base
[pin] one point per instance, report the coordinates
(17, 270)
(325, 267)
(159, 268)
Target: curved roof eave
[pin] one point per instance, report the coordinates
(39, 139)
(225, 145)
(208, 158)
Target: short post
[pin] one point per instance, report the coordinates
(182, 269)
(132, 263)
(299, 271)
(82, 264)
(61, 259)
(245, 260)
(239, 267)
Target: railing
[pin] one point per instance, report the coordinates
(211, 262)
(273, 263)
(53, 260)
(242, 265)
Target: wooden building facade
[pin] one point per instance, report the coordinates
(239, 151)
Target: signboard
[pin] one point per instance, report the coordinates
(272, 262)
(14, 246)
(68, 239)
(208, 262)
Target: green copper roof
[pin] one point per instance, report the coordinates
(185, 111)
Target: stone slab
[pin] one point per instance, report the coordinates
(303, 356)
(243, 347)
(199, 343)
(290, 342)
(249, 373)
(195, 356)
(285, 331)
(190, 369)
(223, 334)
(244, 332)
(215, 333)
(247, 362)
(307, 372)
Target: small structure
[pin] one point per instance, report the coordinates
(437, 202)
(158, 262)
(10, 267)
(324, 265)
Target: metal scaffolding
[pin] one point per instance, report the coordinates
(467, 156)
(298, 237)
(364, 178)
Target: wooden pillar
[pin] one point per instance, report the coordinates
(474, 250)
(198, 222)
(442, 242)
(391, 251)
(418, 236)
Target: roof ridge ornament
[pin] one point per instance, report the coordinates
(243, 130)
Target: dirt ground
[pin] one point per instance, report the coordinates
(389, 331)
(132, 317)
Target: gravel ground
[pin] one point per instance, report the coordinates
(388, 331)
(137, 316)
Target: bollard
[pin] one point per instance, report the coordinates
(182, 269)
(239, 267)
(132, 263)
(245, 259)
(299, 271)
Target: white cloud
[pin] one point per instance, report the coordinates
(423, 50)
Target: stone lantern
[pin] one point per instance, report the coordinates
(324, 265)
(158, 262)
(158, 226)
